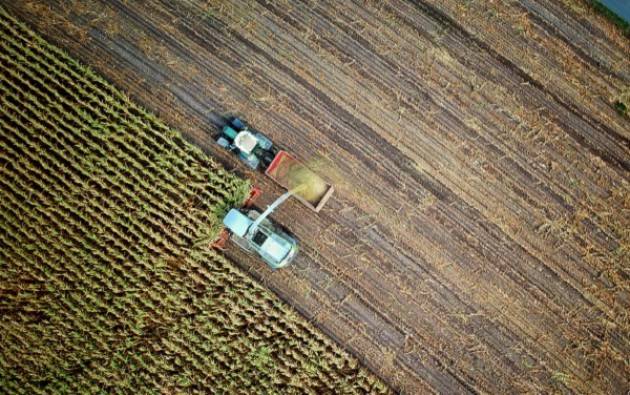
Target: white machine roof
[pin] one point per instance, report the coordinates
(245, 141)
(276, 248)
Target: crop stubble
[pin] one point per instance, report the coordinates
(107, 281)
(478, 240)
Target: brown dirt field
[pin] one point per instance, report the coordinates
(478, 238)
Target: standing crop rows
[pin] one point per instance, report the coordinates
(106, 279)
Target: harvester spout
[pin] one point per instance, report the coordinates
(270, 209)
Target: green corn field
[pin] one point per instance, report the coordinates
(107, 280)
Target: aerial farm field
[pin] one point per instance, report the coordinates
(108, 283)
(479, 235)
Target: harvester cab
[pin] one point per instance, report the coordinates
(255, 233)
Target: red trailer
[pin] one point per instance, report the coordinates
(291, 174)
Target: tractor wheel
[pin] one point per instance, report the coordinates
(223, 142)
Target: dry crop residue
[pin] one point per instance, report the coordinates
(107, 283)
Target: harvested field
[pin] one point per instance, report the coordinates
(478, 238)
(107, 281)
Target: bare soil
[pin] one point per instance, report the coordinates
(478, 237)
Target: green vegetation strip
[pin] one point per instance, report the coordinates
(107, 283)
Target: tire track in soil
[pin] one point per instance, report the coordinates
(616, 159)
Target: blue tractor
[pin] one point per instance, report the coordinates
(252, 147)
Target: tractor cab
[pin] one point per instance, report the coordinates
(252, 147)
